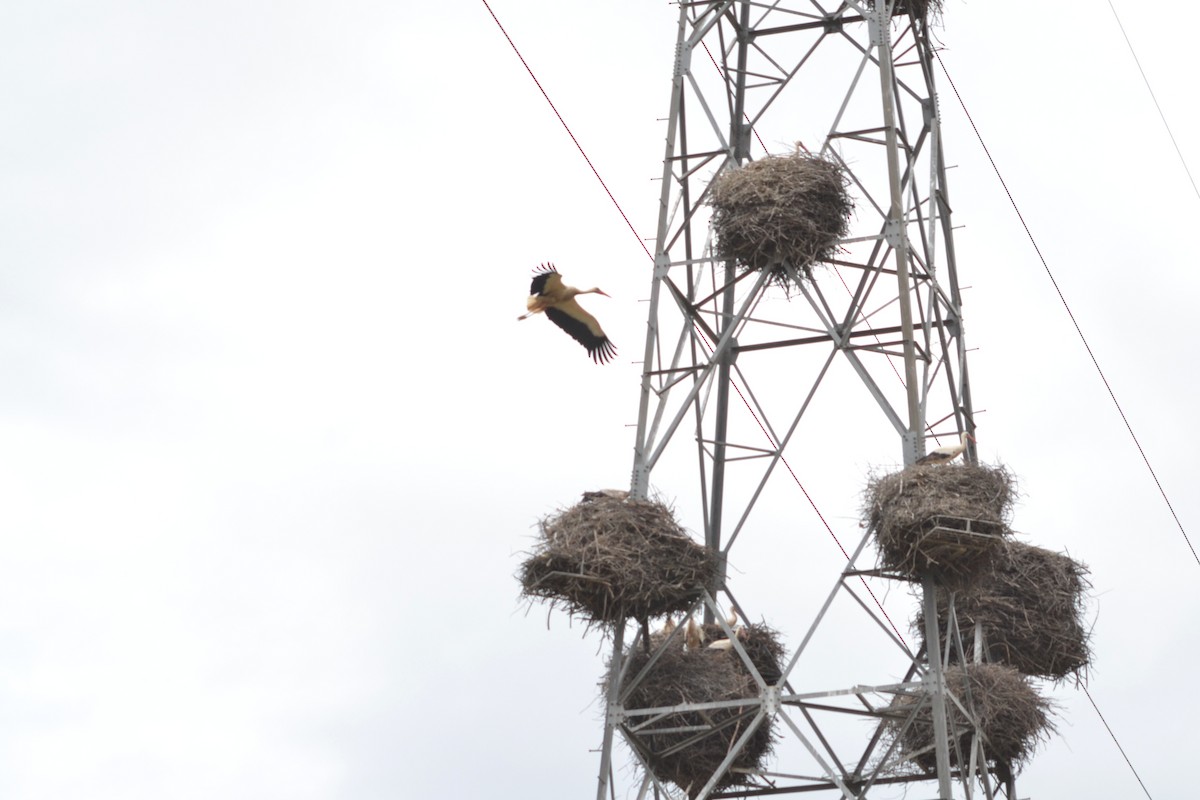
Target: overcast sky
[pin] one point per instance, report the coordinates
(273, 444)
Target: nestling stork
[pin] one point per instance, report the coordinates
(603, 494)
(946, 453)
(548, 293)
(693, 635)
(727, 644)
(738, 630)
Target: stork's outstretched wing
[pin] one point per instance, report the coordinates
(584, 329)
(548, 281)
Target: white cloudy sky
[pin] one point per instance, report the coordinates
(273, 443)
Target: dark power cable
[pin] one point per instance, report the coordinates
(1153, 97)
(567, 128)
(1071, 314)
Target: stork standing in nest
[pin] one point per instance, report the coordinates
(946, 453)
(548, 294)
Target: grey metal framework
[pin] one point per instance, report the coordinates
(733, 359)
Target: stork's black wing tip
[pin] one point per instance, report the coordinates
(603, 352)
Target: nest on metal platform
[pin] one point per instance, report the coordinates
(781, 213)
(917, 8)
(942, 520)
(688, 758)
(609, 558)
(1012, 716)
(1030, 604)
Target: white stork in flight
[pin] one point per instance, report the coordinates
(947, 452)
(547, 293)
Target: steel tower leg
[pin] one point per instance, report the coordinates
(611, 709)
(740, 144)
(937, 690)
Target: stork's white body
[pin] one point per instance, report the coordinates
(738, 631)
(946, 453)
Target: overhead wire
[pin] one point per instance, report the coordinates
(1095, 363)
(1154, 97)
(567, 128)
(1114, 738)
(1067, 306)
(771, 440)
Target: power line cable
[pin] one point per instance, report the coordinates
(1114, 738)
(1163, 116)
(1071, 314)
(771, 440)
(1102, 377)
(567, 128)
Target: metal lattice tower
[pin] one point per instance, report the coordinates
(856, 80)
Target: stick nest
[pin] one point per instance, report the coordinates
(916, 8)
(782, 213)
(689, 758)
(939, 519)
(1031, 604)
(609, 558)
(1012, 716)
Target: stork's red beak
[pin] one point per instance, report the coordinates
(601, 291)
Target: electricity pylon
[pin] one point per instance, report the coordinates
(733, 360)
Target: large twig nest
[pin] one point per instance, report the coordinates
(609, 558)
(688, 758)
(1012, 716)
(1030, 604)
(916, 8)
(939, 519)
(781, 213)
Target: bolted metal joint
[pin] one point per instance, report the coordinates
(770, 700)
(911, 442)
(893, 232)
(683, 58)
(661, 266)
